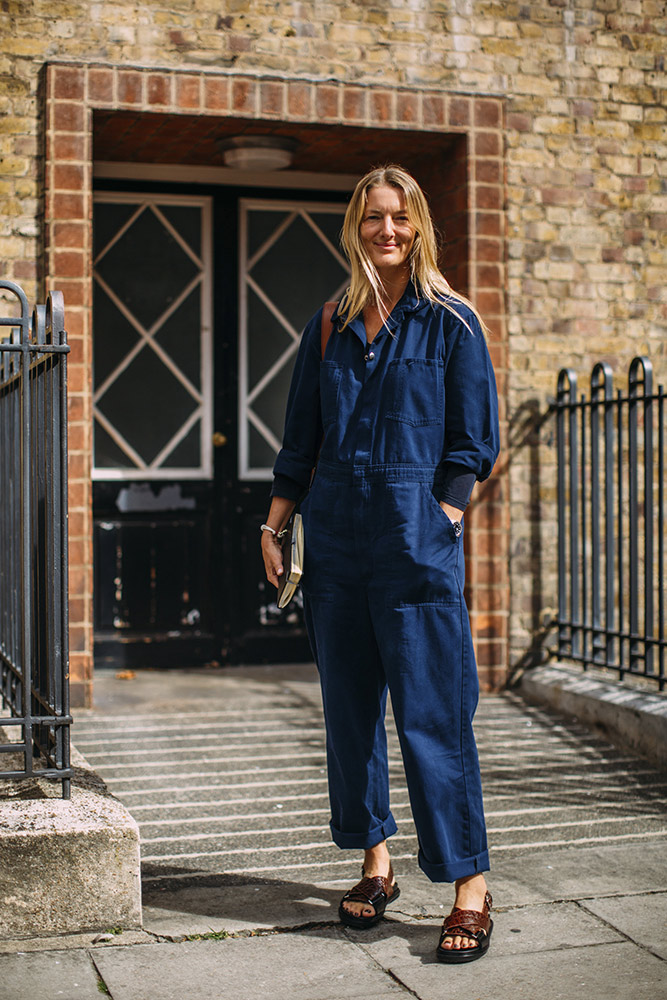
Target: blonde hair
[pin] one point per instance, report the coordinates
(365, 282)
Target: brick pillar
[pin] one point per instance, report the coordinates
(68, 201)
(488, 517)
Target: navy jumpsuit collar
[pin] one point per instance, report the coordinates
(408, 302)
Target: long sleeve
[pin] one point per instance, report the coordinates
(303, 420)
(471, 404)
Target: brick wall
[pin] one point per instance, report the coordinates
(582, 142)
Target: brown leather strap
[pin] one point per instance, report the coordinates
(327, 324)
(468, 923)
(371, 889)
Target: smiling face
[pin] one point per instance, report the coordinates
(386, 231)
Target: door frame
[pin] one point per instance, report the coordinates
(386, 117)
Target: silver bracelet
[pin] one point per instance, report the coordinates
(276, 534)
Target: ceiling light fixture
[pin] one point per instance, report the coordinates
(257, 152)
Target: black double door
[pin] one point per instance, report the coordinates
(200, 297)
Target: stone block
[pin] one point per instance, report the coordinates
(626, 716)
(66, 866)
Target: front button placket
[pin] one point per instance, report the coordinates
(363, 455)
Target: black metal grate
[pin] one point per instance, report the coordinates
(34, 671)
(611, 522)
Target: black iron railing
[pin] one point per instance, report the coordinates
(611, 522)
(34, 675)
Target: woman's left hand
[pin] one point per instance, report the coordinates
(272, 555)
(453, 513)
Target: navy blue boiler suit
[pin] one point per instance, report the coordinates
(384, 573)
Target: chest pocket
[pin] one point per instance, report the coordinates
(416, 391)
(330, 378)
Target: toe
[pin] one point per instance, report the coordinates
(358, 909)
(458, 942)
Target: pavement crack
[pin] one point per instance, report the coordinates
(101, 985)
(385, 971)
(400, 982)
(223, 935)
(411, 916)
(613, 927)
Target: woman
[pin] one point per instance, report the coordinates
(404, 407)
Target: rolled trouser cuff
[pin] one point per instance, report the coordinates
(362, 841)
(454, 870)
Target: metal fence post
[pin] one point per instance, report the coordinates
(607, 628)
(34, 679)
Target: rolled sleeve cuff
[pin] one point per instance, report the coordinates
(292, 465)
(454, 485)
(286, 487)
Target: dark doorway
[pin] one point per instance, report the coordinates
(199, 300)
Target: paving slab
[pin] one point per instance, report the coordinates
(643, 918)
(235, 905)
(171, 690)
(198, 909)
(48, 976)
(550, 875)
(605, 971)
(578, 873)
(72, 942)
(524, 930)
(318, 965)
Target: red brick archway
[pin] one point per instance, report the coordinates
(453, 143)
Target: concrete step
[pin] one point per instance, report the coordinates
(232, 793)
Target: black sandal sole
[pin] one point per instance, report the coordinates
(459, 956)
(361, 923)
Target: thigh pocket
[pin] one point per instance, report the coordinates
(444, 518)
(416, 391)
(330, 378)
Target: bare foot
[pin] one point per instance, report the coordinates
(470, 893)
(376, 862)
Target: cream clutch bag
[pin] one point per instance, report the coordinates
(292, 546)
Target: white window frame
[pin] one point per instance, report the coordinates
(248, 393)
(204, 411)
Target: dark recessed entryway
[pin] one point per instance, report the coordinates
(200, 294)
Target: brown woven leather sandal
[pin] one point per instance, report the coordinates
(377, 891)
(471, 924)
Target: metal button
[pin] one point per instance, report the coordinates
(371, 356)
(365, 357)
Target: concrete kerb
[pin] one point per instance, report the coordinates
(66, 866)
(631, 718)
